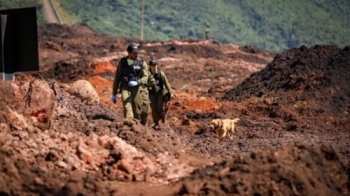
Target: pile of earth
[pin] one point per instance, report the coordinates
(312, 82)
(47, 133)
(298, 170)
(321, 72)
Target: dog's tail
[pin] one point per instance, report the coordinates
(236, 120)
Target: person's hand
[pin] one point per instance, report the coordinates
(114, 99)
(125, 80)
(133, 83)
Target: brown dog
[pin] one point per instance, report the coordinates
(223, 127)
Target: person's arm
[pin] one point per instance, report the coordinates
(166, 83)
(145, 73)
(151, 81)
(117, 78)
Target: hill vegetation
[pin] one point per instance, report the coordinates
(273, 25)
(11, 4)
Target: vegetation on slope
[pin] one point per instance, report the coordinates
(267, 24)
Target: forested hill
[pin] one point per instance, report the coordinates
(267, 24)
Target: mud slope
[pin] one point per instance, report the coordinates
(319, 74)
(313, 81)
(299, 170)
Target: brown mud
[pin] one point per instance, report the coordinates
(293, 137)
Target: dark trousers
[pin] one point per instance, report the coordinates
(157, 105)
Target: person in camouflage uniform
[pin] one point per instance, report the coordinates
(159, 94)
(131, 78)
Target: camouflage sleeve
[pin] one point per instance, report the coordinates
(166, 83)
(145, 74)
(151, 80)
(117, 79)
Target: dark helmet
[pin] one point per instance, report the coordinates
(153, 62)
(132, 48)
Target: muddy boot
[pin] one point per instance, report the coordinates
(144, 118)
(156, 126)
(164, 121)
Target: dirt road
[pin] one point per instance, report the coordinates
(49, 12)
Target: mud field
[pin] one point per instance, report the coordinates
(293, 137)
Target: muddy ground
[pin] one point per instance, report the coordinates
(293, 137)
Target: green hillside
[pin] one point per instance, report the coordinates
(10, 4)
(267, 24)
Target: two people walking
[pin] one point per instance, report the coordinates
(141, 87)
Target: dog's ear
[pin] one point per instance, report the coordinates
(212, 125)
(220, 123)
(214, 122)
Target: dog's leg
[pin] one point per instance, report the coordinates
(230, 136)
(220, 134)
(232, 130)
(225, 132)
